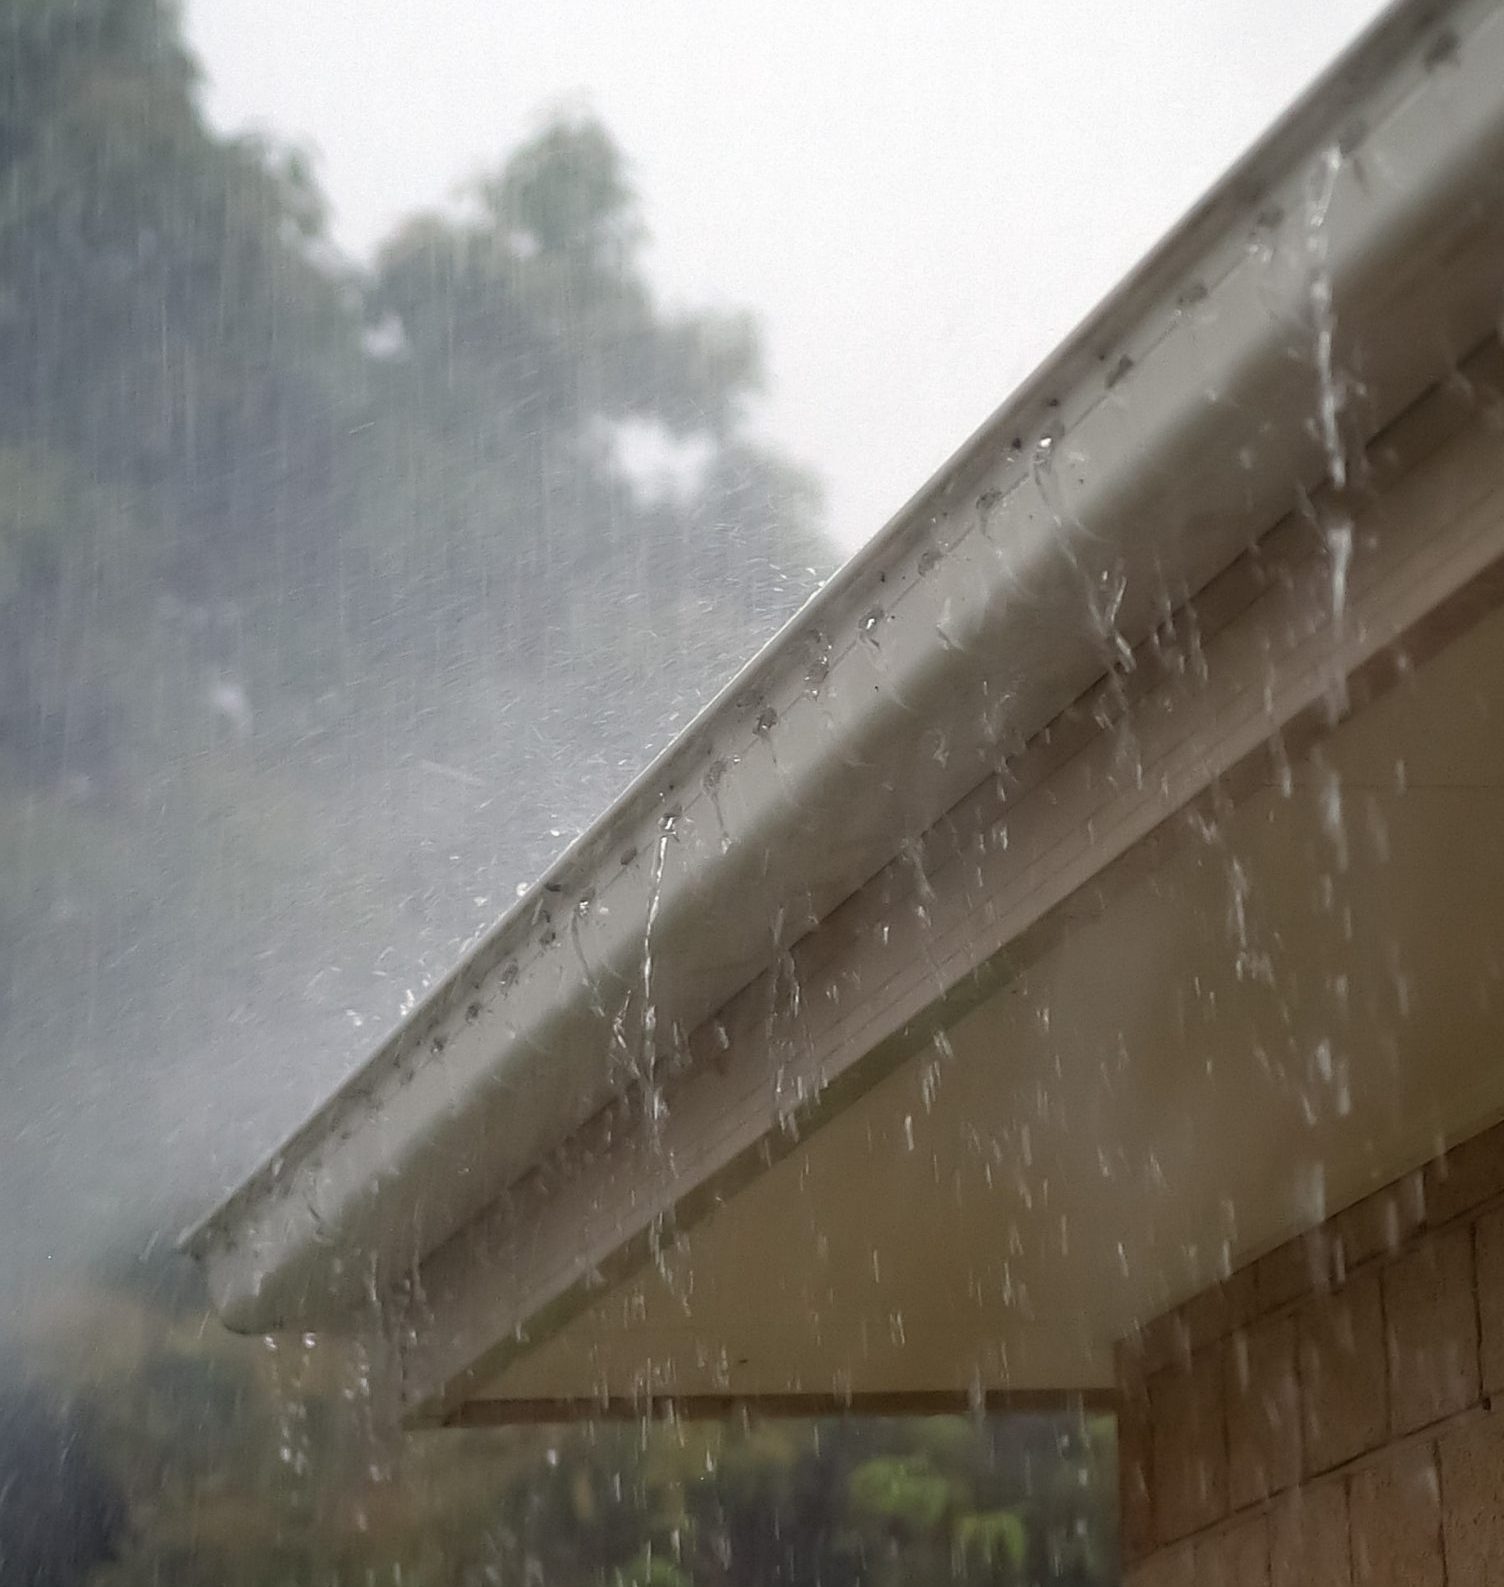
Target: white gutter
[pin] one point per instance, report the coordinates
(1164, 437)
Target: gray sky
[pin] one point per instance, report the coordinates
(918, 198)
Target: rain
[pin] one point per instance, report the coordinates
(632, 953)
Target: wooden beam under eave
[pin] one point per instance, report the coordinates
(764, 1407)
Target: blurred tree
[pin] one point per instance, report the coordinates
(61, 1511)
(526, 356)
(247, 1464)
(167, 316)
(282, 532)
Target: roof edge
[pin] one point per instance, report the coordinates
(265, 1240)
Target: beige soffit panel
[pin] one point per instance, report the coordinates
(1296, 1005)
(1162, 439)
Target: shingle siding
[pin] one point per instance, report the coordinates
(1323, 1418)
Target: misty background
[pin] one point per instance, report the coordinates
(917, 201)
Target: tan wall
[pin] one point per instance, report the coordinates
(1325, 1415)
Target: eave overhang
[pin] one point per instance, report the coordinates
(1362, 240)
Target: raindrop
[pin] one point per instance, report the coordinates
(1443, 50)
(1331, 389)
(711, 782)
(1332, 820)
(1339, 543)
(1045, 474)
(1266, 225)
(818, 668)
(1119, 371)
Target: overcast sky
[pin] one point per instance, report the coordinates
(918, 198)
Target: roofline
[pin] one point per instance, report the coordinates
(1085, 825)
(514, 1049)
